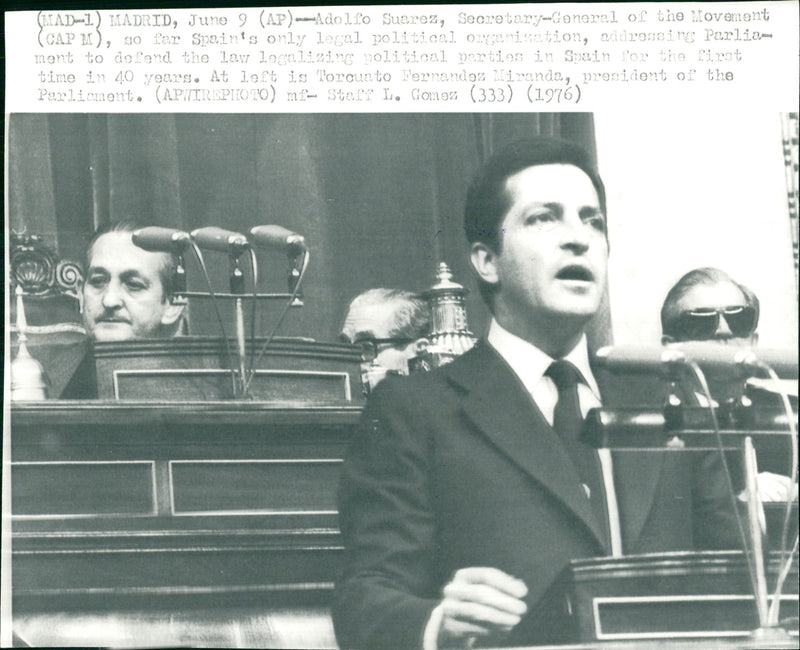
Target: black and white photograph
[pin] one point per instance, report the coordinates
(391, 379)
(178, 430)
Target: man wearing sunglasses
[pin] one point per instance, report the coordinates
(467, 490)
(391, 326)
(706, 304)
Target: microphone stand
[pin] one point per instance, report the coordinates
(234, 244)
(237, 289)
(754, 519)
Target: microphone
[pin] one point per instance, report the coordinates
(715, 356)
(279, 238)
(161, 240)
(712, 357)
(638, 358)
(218, 239)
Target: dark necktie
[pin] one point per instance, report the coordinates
(567, 422)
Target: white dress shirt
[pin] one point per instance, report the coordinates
(530, 364)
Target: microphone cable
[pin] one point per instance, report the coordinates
(220, 321)
(254, 268)
(752, 563)
(274, 331)
(785, 554)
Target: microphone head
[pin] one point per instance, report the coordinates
(278, 238)
(161, 240)
(634, 358)
(747, 361)
(219, 239)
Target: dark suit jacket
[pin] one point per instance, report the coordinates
(458, 468)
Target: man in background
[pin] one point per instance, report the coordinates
(391, 326)
(707, 304)
(127, 291)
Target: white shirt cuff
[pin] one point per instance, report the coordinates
(431, 635)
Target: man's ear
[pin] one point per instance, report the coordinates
(420, 345)
(172, 312)
(484, 261)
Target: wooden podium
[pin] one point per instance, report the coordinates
(198, 368)
(175, 523)
(168, 514)
(661, 596)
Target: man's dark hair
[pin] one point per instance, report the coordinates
(707, 275)
(167, 271)
(488, 200)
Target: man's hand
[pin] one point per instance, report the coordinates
(772, 488)
(775, 487)
(480, 601)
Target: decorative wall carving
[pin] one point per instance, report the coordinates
(36, 268)
(790, 123)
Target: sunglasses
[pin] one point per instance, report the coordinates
(371, 347)
(702, 324)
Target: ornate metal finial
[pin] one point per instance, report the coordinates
(27, 374)
(450, 335)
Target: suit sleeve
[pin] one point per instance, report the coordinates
(388, 590)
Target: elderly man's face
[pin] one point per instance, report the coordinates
(710, 302)
(372, 325)
(123, 296)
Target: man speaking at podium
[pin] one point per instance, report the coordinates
(466, 490)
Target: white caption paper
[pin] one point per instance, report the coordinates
(515, 57)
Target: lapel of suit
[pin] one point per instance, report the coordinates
(502, 409)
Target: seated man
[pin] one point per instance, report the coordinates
(126, 294)
(391, 325)
(466, 490)
(127, 291)
(707, 304)
(693, 306)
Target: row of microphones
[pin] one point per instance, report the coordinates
(171, 240)
(211, 238)
(713, 358)
(688, 365)
(234, 244)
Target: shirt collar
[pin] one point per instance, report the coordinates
(530, 363)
